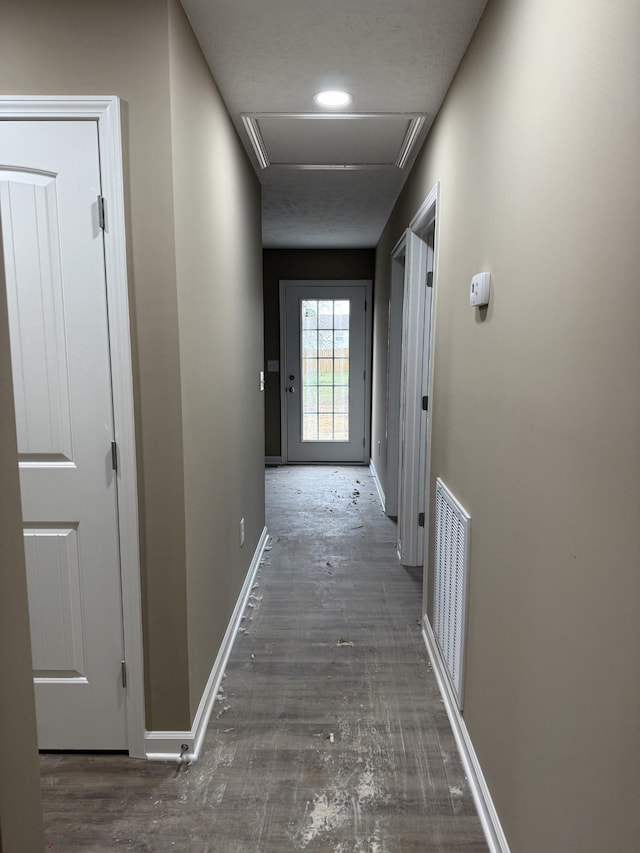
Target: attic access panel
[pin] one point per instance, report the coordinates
(333, 141)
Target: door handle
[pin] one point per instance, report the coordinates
(291, 389)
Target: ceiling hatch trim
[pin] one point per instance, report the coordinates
(342, 141)
(255, 138)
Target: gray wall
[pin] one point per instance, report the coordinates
(298, 264)
(121, 48)
(536, 406)
(219, 272)
(199, 449)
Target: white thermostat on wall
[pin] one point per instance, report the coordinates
(480, 289)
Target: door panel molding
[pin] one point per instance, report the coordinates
(105, 110)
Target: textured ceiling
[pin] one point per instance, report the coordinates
(271, 56)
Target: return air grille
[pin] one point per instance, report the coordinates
(453, 531)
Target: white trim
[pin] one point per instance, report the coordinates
(413, 420)
(256, 140)
(426, 213)
(376, 480)
(400, 249)
(409, 146)
(273, 460)
(168, 746)
(407, 150)
(394, 373)
(284, 449)
(429, 215)
(333, 167)
(416, 380)
(105, 110)
(487, 813)
(367, 283)
(336, 116)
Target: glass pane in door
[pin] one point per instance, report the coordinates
(325, 369)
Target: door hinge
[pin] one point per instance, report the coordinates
(123, 669)
(114, 456)
(420, 519)
(430, 279)
(425, 404)
(101, 214)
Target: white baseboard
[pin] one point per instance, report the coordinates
(374, 474)
(487, 813)
(171, 746)
(273, 460)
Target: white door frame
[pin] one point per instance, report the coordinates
(368, 348)
(105, 110)
(416, 381)
(394, 372)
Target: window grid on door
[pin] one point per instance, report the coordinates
(324, 348)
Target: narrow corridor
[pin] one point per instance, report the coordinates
(329, 733)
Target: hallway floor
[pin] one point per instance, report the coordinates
(330, 734)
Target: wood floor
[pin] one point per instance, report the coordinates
(330, 734)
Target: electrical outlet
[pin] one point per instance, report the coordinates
(241, 532)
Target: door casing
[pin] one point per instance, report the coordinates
(394, 372)
(414, 464)
(105, 110)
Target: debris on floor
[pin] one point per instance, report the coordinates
(366, 795)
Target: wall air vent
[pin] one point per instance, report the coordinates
(452, 541)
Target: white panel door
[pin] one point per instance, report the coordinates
(325, 371)
(54, 259)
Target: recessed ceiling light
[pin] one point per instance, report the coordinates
(332, 98)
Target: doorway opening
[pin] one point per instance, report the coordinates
(410, 374)
(325, 380)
